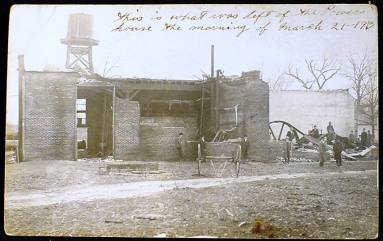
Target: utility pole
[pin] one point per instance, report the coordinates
(212, 62)
(217, 105)
(214, 93)
(212, 89)
(202, 109)
(20, 151)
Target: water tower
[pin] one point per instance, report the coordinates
(79, 42)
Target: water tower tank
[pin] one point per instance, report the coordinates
(80, 25)
(80, 30)
(79, 41)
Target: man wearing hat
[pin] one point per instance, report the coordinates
(180, 144)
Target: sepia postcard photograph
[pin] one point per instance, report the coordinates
(242, 121)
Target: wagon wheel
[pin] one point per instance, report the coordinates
(283, 124)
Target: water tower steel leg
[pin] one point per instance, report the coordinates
(83, 61)
(68, 50)
(90, 59)
(77, 58)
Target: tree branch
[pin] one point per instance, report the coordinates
(305, 84)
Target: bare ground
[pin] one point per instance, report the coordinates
(328, 206)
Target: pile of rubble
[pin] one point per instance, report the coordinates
(350, 153)
(296, 159)
(367, 152)
(98, 160)
(10, 158)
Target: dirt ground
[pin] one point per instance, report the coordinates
(318, 205)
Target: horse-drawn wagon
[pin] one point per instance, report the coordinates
(220, 155)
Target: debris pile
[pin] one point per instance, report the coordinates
(363, 153)
(11, 158)
(296, 159)
(130, 167)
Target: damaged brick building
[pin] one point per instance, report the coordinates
(136, 118)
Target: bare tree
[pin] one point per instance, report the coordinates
(357, 73)
(371, 98)
(307, 84)
(279, 83)
(107, 68)
(320, 74)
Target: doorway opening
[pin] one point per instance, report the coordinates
(94, 109)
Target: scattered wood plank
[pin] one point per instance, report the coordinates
(148, 216)
(229, 213)
(112, 221)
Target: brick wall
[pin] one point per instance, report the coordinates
(126, 129)
(158, 137)
(50, 116)
(253, 116)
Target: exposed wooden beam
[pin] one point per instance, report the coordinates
(151, 84)
(133, 94)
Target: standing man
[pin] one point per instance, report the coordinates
(287, 150)
(330, 128)
(351, 137)
(369, 139)
(363, 138)
(337, 149)
(290, 135)
(245, 147)
(203, 147)
(330, 133)
(315, 132)
(180, 144)
(322, 153)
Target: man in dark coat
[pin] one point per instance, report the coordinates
(330, 133)
(180, 144)
(337, 149)
(287, 149)
(315, 132)
(363, 138)
(322, 153)
(351, 137)
(202, 143)
(369, 139)
(245, 147)
(290, 135)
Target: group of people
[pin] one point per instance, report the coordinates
(181, 146)
(334, 140)
(365, 139)
(337, 149)
(331, 139)
(314, 132)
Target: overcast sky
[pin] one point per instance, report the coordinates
(35, 31)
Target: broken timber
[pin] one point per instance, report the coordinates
(134, 167)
